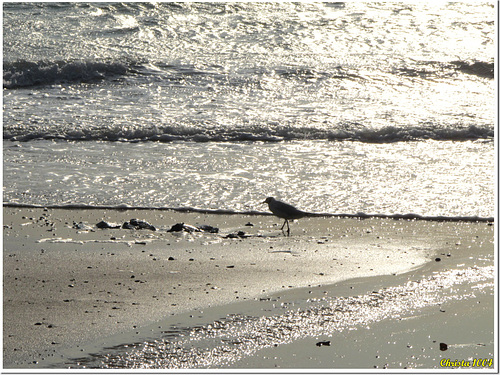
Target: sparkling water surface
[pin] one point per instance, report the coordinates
(425, 178)
(335, 107)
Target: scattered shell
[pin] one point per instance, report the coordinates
(82, 226)
(239, 234)
(105, 225)
(138, 224)
(179, 227)
(208, 228)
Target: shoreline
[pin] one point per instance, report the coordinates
(359, 215)
(73, 287)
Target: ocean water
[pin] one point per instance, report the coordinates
(375, 108)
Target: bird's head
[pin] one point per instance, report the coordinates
(268, 200)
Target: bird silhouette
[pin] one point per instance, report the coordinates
(285, 211)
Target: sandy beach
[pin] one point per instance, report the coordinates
(141, 139)
(69, 285)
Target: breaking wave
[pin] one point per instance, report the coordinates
(269, 133)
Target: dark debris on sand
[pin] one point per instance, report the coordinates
(132, 224)
(182, 227)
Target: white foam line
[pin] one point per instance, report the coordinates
(81, 242)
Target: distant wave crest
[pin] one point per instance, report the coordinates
(478, 68)
(433, 69)
(26, 73)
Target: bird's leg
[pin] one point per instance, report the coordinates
(283, 225)
(288, 226)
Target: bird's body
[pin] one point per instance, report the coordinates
(284, 210)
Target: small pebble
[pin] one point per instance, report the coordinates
(323, 343)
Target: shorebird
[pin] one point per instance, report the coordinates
(284, 211)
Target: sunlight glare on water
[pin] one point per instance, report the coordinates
(332, 177)
(232, 339)
(333, 107)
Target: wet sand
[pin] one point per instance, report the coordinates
(67, 290)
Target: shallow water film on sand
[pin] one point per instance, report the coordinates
(422, 178)
(228, 340)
